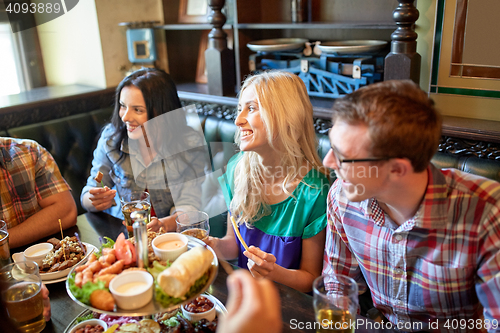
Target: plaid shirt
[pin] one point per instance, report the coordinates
(28, 173)
(443, 263)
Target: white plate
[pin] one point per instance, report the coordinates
(278, 44)
(153, 306)
(56, 280)
(64, 273)
(58, 276)
(352, 46)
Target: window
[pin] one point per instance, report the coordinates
(11, 71)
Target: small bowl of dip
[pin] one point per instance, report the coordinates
(132, 290)
(169, 246)
(91, 325)
(202, 307)
(38, 252)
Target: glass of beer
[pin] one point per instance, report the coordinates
(22, 296)
(193, 223)
(3, 226)
(134, 201)
(335, 300)
(4, 247)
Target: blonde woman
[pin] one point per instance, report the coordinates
(276, 186)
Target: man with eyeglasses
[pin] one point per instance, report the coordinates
(426, 242)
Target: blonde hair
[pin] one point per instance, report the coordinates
(287, 114)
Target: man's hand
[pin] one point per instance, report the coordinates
(253, 305)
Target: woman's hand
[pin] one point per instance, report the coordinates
(252, 306)
(102, 198)
(213, 242)
(261, 264)
(168, 223)
(46, 303)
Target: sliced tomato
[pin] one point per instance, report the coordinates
(124, 250)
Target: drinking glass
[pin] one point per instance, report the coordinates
(135, 201)
(335, 298)
(3, 226)
(193, 223)
(4, 248)
(22, 297)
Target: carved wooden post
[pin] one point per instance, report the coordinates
(219, 59)
(403, 62)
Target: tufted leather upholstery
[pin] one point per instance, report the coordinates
(479, 166)
(72, 140)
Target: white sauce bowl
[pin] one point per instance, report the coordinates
(172, 254)
(38, 252)
(132, 290)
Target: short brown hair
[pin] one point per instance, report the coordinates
(402, 121)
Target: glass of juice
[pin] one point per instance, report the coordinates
(193, 223)
(21, 294)
(335, 299)
(133, 201)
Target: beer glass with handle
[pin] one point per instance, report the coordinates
(335, 298)
(22, 296)
(135, 201)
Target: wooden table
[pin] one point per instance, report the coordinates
(297, 308)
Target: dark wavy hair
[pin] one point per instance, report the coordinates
(160, 95)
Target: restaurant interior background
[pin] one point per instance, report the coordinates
(86, 46)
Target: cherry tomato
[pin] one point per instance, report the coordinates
(124, 250)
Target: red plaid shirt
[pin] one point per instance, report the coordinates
(443, 263)
(28, 173)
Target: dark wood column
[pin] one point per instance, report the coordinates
(403, 62)
(219, 59)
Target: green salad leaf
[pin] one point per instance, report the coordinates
(158, 268)
(171, 322)
(83, 294)
(88, 316)
(108, 242)
(166, 300)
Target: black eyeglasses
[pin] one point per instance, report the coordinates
(339, 160)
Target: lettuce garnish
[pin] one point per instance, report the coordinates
(83, 293)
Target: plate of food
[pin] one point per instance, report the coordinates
(109, 282)
(352, 46)
(56, 263)
(169, 322)
(278, 44)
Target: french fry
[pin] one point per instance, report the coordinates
(237, 231)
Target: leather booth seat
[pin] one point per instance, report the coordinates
(71, 140)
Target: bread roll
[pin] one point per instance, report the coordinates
(189, 267)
